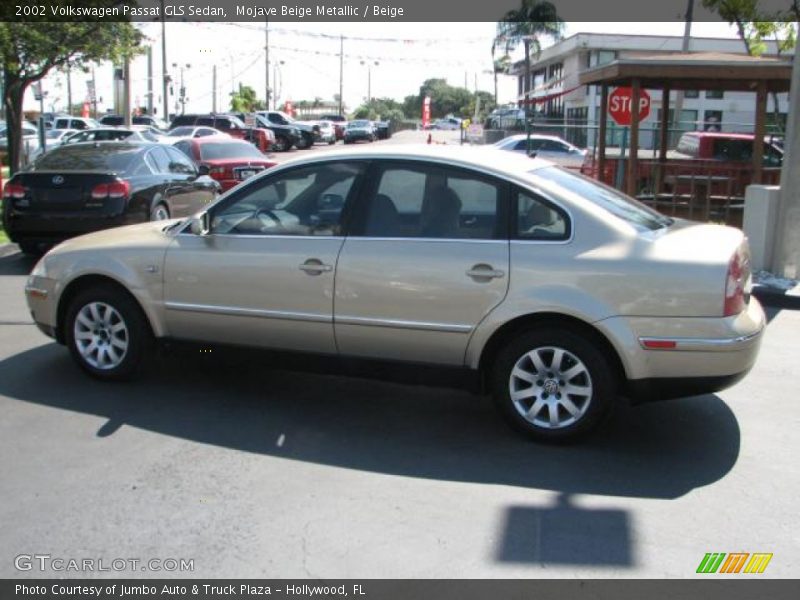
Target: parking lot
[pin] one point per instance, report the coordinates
(251, 467)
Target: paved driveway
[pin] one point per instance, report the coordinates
(255, 469)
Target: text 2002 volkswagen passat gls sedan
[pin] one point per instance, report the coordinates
(564, 293)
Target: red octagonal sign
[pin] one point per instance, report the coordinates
(619, 105)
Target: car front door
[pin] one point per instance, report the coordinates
(196, 191)
(427, 259)
(264, 274)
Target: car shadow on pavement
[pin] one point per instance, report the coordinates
(663, 450)
(16, 263)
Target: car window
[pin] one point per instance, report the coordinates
(179, 162)
(427, 201)
(184, 147)
(613, 201)
(88, 157)
(224, 123)
(553, 146)
(301, 201)
(538, 219)
(228, 149)
(203, 132)
(180, 131)
(160, 160)
(78, 137)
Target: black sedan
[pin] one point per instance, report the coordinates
(79, 188)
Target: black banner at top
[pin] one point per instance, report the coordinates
(353, 10)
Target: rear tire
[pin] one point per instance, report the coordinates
(159, 212)
(107, 333)
(553, 384)
(281, 144)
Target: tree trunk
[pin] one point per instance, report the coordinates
(14, 91)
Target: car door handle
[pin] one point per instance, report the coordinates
(314, 267)
(485, 272)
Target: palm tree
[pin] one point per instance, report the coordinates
(534, 20)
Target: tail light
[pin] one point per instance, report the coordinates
(115, 189)
(737, 282)
(14, 190)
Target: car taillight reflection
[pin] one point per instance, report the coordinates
(115, 189)
(736, 282)
(14, 190)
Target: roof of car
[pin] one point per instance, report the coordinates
(480, 157)
(719, 134)
(534, 136)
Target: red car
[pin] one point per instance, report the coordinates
(229, 161)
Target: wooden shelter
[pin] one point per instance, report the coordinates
(685, 71)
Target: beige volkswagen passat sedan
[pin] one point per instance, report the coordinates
(564, 294)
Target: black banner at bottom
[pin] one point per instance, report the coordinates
(399, 589)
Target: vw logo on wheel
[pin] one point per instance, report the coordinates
(58, 180)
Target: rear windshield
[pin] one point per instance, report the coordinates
(88, 157)
(218, 150)
(180, 131)
(613, 201)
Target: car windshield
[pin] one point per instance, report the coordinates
(180, 131)
(354, 124)
(613, 201)
(221, 150)
(86, 157)
(236, 121)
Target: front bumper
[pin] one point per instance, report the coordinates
(40, 295)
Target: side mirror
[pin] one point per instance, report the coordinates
(203, 170)
(201, 224)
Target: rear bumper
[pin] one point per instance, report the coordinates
(44, 229)
(679, 356)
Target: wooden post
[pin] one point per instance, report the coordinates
(662, 141)
(633, 157)
(601, 132)
(758, 137)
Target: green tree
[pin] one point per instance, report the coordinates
(757, 26)
(445, 100)
(385, 109)
(245, 101)
(534, 20)
(30, 50)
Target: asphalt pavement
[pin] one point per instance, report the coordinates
(250, 468)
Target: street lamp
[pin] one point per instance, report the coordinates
(182, 96)
(369, 64)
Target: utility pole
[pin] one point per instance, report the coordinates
(126, 90)
(687, 35)
(94, 94)
(165, 75)
(266, 61)
(526, 89)
(341, 72)
(787, 248)
(149, 80)
(69, 91)
(214, 89)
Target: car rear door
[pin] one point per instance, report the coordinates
(264, 275)
(427, 259)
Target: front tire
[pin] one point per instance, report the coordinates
(281, 144)
(553, 384)
(107, 333)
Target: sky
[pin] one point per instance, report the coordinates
(305, 60)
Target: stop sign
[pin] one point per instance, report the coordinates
(620, 101)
